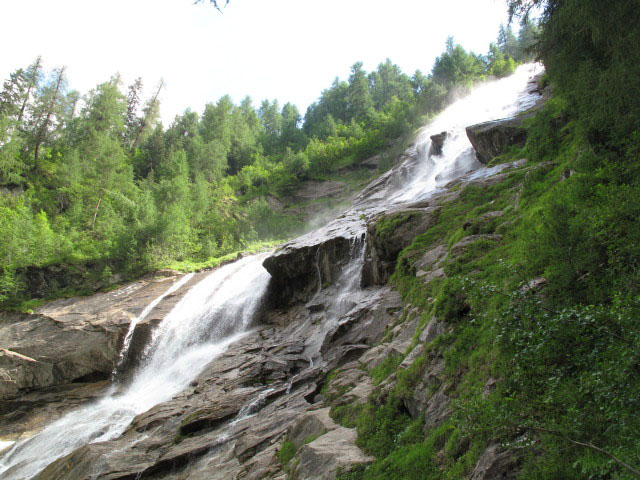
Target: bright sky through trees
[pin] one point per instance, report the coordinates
(284, 49)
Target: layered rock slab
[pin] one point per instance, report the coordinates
(387, 234)
(490, 139)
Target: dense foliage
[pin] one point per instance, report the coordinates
(96, 180)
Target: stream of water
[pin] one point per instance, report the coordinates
(489, 101)
(214, 313)
(126, 343)
(220, 309)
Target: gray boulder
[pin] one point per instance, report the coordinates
(301, 267)
(496, 463)
(387, 235)
(329, 454)
(310, 425)
(489, 139)
(437, 142)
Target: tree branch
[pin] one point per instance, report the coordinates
(590, 446)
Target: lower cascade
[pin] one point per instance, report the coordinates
(214, 313)
(217, 390)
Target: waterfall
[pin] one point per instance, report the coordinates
(134, 323)
(220, 309)
(489, 101)
(212, 315)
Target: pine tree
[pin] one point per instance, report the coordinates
(360, 104)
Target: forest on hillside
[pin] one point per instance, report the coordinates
(95, 179)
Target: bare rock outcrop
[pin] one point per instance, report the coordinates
(489, 139)
(301, 267)
(331, 453)
(40, 351)
(496, 463)
(387, 234)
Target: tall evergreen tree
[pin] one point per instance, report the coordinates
(360, 103)
(46, 110)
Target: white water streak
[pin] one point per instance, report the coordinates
(489, 101)
(134, 323)
(214, 314)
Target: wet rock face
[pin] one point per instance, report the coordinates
(387, 235)
(489, 139)
(302, 266)
(231, 421)
(437, 142)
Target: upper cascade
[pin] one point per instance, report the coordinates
(422, 173)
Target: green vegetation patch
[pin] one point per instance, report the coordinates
(286, 452)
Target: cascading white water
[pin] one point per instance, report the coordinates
(489, 101)
(349, 280)
(212, 315)
(124, 351)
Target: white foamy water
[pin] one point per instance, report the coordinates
(489, 101)
(134, 323)
(211, 316)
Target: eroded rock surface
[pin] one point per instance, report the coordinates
(387, 234)
(490, 139)
(233, 418)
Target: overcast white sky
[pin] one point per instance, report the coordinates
(285, 49)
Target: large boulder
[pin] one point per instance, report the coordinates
(387, 234)
(301, 267)
(332, 453)
(489, 139)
